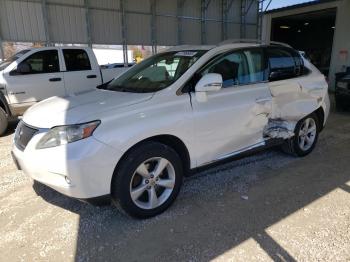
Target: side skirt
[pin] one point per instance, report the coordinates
(238, 155)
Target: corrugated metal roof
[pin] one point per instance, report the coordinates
(291, 7)
(100, 21)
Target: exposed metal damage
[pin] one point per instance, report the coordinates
(278, 128)
(289, 102)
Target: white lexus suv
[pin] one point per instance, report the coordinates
(134, 138)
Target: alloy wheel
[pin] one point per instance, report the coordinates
(152, 183)
(307, 134)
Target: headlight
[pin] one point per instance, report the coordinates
(62, 135)
(343, 85)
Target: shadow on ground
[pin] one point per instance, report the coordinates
(210, 217)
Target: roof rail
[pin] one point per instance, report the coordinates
(253, 41)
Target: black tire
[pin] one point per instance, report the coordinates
(123, 175)
(3, 121)
(292, 145)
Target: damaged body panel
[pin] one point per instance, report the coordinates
(292, 100)
(246, 115)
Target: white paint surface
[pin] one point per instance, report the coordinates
(231, 120)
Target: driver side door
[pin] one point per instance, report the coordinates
(232, 119)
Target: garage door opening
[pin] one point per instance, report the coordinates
(311, 33)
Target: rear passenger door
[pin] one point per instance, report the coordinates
(234, 117)
(79, 73)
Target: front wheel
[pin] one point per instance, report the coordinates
(305, 137)
(148, 180)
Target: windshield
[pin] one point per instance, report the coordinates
(7, 62)
(156, 72)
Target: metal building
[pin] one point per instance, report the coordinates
(128, 22)
(321, 25)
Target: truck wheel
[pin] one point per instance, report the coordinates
(148, 180)
(3, 121)
(305, 138)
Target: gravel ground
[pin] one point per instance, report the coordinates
(269, 206)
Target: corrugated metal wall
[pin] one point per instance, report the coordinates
(100, 21)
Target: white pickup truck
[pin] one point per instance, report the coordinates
(35, 74)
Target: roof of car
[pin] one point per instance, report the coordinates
(235, 43)
(190, 47)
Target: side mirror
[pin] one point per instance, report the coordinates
(23, 68)
(208, 83)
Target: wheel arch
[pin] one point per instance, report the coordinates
(170, 140)
(320, 115)
(175, 143)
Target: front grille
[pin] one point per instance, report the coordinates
(23, 135)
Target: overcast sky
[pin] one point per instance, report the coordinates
(282, 3)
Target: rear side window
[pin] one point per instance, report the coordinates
(282, 64)
(76, 60)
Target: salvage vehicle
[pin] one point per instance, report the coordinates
(135, 138)
(35, 74)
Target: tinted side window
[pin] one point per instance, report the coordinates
(76, 60)
(282, 64)
(42, 62)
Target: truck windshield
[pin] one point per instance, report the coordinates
(13, 58)
(156, 72)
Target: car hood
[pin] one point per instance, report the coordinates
(56, 111)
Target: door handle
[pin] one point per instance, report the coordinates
(55, 79)
(91, 76)
(263, 100)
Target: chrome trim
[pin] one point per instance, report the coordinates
(235, 153)
(242, 150)
(179, 91)
(213, 84)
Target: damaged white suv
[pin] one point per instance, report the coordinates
(134, 138)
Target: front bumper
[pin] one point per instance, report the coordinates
(82, 169)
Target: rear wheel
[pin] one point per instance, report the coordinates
(305, 138)
(148, 180)
(3, 121)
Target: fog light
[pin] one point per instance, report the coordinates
(67, 180)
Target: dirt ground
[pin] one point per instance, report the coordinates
(269, 206)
